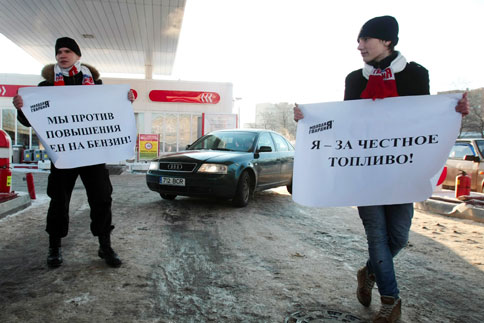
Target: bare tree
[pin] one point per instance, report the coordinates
(267, 120)
(474, 122)
(278, 117)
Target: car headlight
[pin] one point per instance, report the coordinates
(213, 169)
(154, 165)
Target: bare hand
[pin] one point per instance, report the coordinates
(463, 105)
(18, 102)
(298, 115)
(131, 97)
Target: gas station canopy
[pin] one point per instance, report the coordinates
(115, 36)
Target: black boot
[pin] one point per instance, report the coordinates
(107, 253)
(54, 258)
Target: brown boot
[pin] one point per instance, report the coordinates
(390, 311)
(365, 286)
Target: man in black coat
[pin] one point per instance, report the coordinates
(70, 71)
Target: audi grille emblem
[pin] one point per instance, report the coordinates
(175, 166)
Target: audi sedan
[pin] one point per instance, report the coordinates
(229, 164)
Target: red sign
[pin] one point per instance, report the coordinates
(185, 96)
(10, 90)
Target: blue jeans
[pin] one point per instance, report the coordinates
(387, 228)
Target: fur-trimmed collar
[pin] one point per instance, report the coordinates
(48, 72)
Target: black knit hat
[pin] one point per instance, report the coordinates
(384, 28)
(67, 43)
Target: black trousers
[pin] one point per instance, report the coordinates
(98, 188)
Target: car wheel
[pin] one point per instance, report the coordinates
(167, 196)
(242, 194)
(289, 188)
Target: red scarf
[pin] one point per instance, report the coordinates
(381, 83)
(59, 74)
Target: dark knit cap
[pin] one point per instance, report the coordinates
(384, 28)
(67, 43)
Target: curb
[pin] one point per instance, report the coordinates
(21, 202)
(453, 209)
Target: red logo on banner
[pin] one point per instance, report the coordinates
(10, 90)
(185, 96)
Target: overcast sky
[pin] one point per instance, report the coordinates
(301, 50)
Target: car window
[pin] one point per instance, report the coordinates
(265, 140)
(480, 146)
(240, 142)
(461, 149)
(281, 144)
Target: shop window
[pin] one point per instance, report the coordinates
(176, 130)
(196, 130)
(170, 132)
(8, 123)
(140, 121)
(35, 141)
(23, 136)
(184, 131)
(157, 128)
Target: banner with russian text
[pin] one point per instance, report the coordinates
(365, 152)
(82, 125)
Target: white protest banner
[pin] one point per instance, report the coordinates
(82, 125)
(365, 152)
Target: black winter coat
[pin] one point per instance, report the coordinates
(413, 80)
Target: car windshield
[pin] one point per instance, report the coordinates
(226, 140)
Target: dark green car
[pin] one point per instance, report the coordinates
(230, 164)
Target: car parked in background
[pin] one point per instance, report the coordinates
(231, 164)
(466, 155)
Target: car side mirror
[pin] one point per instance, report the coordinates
(472, 158)
(264, 149)
(188, 146)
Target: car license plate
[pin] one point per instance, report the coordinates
(174, 181)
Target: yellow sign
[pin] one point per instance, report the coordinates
(148, 147)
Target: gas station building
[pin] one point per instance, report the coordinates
(178, 111)
(135, 37)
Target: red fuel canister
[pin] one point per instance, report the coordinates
(462, 184)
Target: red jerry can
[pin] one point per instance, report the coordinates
(5, 156)
(462, 184)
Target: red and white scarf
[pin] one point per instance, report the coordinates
(381, 83)
(60, 72)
